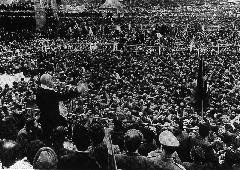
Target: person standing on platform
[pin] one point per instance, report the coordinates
(48, 102)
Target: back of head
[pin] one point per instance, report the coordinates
(204, 130)
(9, 152)
(227, 139)
(97, 133)
(59, 135)
(237, 158)
(46, 80)
(117, 123)
(148, 135)
(29, 124)
(132, 140)
(81, 137)
(45, 158)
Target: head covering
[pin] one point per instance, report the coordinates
(46, 79)
(45, 158)
(168, 139)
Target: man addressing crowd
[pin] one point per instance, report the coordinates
(48, 102)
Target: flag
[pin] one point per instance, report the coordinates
(201, 96)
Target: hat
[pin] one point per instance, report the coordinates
(168, 139)
(45, 158)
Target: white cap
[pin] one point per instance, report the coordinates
(168, 139)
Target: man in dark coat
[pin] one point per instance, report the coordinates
(167, 160)
(79, 159)
(48, 102)
(132, 159)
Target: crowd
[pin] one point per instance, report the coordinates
(139, 110)
(20, 6)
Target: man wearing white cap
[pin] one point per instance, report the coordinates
(169, 144)
(48, 102)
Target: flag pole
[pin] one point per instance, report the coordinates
(202, 108)
(201, 59)
(202, 98)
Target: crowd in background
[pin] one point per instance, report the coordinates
(136, 93)
(21, 6)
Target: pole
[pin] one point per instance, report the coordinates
(202, 109)
(202, 88)
(202, 99)
(114, 160)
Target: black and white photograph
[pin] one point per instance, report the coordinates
(120, 84)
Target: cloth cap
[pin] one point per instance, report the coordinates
(45, 158)
(168, 139)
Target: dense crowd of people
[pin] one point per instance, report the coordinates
(20, 6)
(138, 111)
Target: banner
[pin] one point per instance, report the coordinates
(201, 96)
(40, 15)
